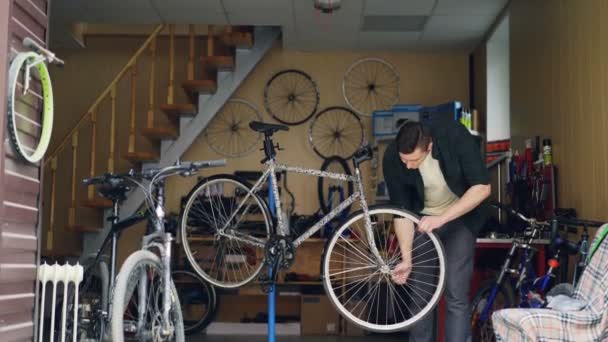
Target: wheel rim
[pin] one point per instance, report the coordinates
(223, 262)
(229, 134)
(21, 128)
(336, 131)
(291, 97)
(370, 84)
(363, 293)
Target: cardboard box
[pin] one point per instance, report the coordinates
(318, 316)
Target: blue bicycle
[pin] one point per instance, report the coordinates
(500, 292)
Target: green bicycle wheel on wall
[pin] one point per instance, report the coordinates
(29, 138)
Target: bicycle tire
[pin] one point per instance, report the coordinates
(206, 185)
(228, 133)
(481, 294)
(366, 82)
(323, 198)
(201, 286)
(47, 110)
(329, 134)
(392, 259)
(290, 118)
(125, 287)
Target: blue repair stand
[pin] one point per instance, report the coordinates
(271, 292)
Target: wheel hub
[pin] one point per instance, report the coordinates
(371, 87)
(385, 269)
(291, 97)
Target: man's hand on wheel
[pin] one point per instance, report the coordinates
(401, 272)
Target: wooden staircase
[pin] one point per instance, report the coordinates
(217, 54)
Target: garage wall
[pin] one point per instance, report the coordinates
(19, 180)
(559, 79)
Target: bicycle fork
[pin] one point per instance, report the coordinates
(167, 285)
(144, 288)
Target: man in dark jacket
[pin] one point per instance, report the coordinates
(436, 170)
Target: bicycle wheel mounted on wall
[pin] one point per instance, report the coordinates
(291, 97)
(229, 134)
(336, 131)
(370, 84)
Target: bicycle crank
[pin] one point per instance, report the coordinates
(279, 255)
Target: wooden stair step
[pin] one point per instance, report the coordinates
(174, 111)
(222, 63)
(200, 86)
(159, 133)
(83, 229)
(97, 203)
(138, 157)
(241, 40)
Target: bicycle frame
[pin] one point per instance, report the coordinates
(282, 230)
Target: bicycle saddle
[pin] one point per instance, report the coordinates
(266, 128)
(363, 153)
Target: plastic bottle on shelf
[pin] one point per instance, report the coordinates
(547, 153)
(528, 159)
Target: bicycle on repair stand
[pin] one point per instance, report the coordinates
(229, 236)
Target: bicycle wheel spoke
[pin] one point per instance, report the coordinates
(424, 253)
(423, 282)
(351, 262)
(424, 262)
(299, 93)
(328, 134)
(352, 270)
(370, 84)
(359, 252)
(401, 300)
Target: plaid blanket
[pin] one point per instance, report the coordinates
(588, 324)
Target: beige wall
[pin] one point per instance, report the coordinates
(558, 90)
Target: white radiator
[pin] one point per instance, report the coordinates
(67, 275)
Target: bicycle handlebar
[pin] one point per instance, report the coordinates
(184, 169)
(516, 213)
(579, 222)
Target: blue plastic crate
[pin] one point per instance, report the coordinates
(384, 122)
(446, 111)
